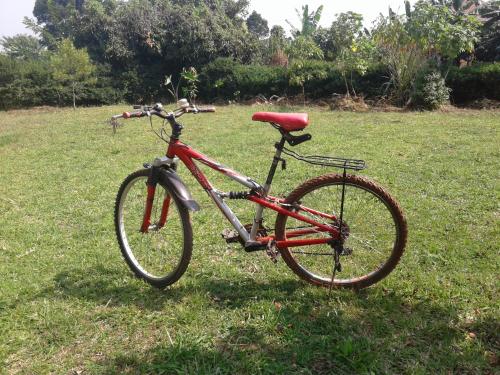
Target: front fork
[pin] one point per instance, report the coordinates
(151, 184)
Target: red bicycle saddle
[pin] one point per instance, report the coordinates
(288, 121)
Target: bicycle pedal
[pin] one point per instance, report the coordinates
(271, 252)
(230, 235)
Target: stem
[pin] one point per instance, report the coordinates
(304, 94)
(352, 86)
(74, 97)
(348, 94)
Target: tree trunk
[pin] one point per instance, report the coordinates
(304, 94)
(347, 93)
(74, 97)
(352, 87)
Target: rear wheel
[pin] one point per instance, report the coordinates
(374, 231)
(161, 255)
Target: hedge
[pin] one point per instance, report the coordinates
(227, 79)
(479, 81)
(26, 84)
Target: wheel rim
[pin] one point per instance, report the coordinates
(369, 239)
(157, 253)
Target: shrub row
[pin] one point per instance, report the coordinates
(26, 84)
(226, 79)
(480, 81)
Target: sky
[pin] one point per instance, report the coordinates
(275, 12)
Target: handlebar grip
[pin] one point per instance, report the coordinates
(206, 109)
(137, 106)
(132, 114)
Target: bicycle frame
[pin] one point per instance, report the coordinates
(257, 194)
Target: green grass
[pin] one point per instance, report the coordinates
(68, 302)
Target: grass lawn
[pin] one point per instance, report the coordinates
(69, 304)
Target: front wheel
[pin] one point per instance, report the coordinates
(161, 254)
(374, 231)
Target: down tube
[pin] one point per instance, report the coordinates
(218, 200)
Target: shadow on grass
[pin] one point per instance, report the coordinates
(383, 333)
(105, 286)
(304, 330)
(387, 335)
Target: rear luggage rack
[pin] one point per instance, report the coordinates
(328, 161)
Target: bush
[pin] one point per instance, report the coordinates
(26, 84)
(223, 78)
(430, 90)
(476, 82)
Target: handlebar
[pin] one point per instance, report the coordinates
(157, 110)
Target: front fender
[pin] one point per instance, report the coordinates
(174, 183)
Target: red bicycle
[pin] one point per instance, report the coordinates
(333, 230)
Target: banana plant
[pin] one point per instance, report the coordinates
(309, 21)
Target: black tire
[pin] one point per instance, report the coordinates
(375, 238)
(161, 256)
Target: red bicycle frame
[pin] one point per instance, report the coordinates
(257, 194)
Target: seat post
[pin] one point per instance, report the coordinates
(277, 157)
(267, 187)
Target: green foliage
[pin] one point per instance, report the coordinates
(430, 90)
(474, 82)
(134, 44)
(190, 90)
(145, 40)
(430, 32)
(257, 25)
(344, 31)
(439, 31)
(72, 67)
(304, 48)
(303, 71)
(277, 39)
(352, 48)
(400, 54)
(58, 18)
(308, 21)
(21, 46)
(71, 64)
(224, 77)
(313, 69)
(30, 83)
(458, 6)
(488, 48)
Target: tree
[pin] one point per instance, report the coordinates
(400, 54)
(72, 67)
(488, 47)
(301, 51)
(21, 46)
(308, 21)
(276, 45)
(439, 32)
(58, 19)
(458, 6)
(350, 46)
(257, 25)
(304, 48)
(430, 33)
